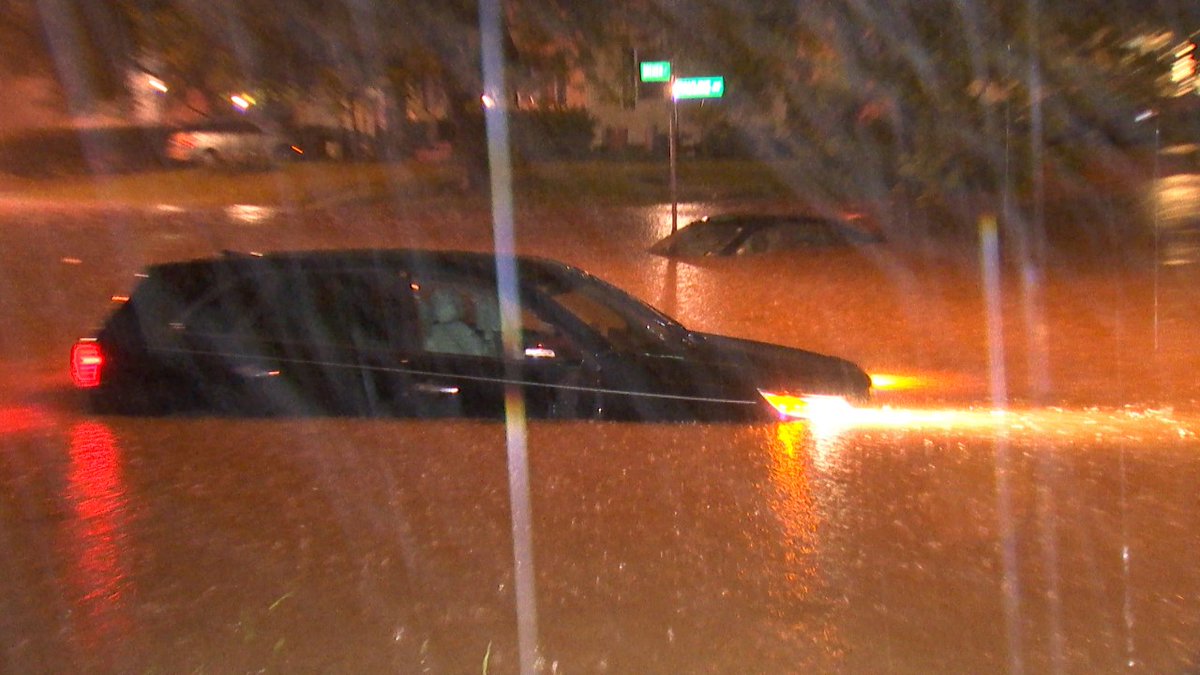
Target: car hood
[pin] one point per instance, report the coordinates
(784, 369)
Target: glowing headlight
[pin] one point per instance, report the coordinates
(806, 406)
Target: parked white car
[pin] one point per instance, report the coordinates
(231, 143)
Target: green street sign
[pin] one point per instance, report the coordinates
(656, 71)
(699, 87)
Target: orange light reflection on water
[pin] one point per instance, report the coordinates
(1063, 423)
(893, 382)
(792, 501)
(796, 501)
(790, 468)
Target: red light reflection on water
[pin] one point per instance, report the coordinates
(97, 572)
(23, 419)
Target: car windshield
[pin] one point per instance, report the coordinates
(700, 238)
(349, 336)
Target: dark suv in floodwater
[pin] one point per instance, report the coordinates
(418, 333)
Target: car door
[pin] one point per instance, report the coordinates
(555, 364)
(460, 367)
(221, 353)
(617, 370)
(370, 345)
(636, 367)
(339, 335)
(276, 340)
(453, 368)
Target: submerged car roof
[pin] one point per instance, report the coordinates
(697, 237)
(735, 220)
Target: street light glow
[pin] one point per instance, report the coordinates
(242, 101)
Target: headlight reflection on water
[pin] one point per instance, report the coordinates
(890, 382)
(249, 214)
(1062, 423)
(1059, 423)
(825, 438)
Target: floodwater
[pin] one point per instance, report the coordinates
(1020, 496)
(367, 546)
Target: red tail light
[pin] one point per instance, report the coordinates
(86, 363)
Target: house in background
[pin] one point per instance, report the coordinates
(372, 118)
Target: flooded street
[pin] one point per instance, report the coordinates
(1019, 497)
(361, 546)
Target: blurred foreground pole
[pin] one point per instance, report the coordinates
(1037, 352)
(499, 160)
(1033, 236)
(1157, 220)
(1010, 588)
(989, 260)
(673, 145)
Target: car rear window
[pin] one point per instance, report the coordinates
(360, 309)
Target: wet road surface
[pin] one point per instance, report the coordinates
(928, 533)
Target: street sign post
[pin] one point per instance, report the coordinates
(698, 87)
(672, 136)
(712, 86)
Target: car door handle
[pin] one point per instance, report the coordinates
(433, 388)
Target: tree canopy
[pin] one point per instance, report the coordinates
(926, 91)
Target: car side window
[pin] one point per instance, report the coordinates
(369, 311)
(358, 309)
(462, 316)
(361, 310)
(233, 309)
(458, 317)
(331, 310)
(597, 316)
(614, 327)
(543, 338)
